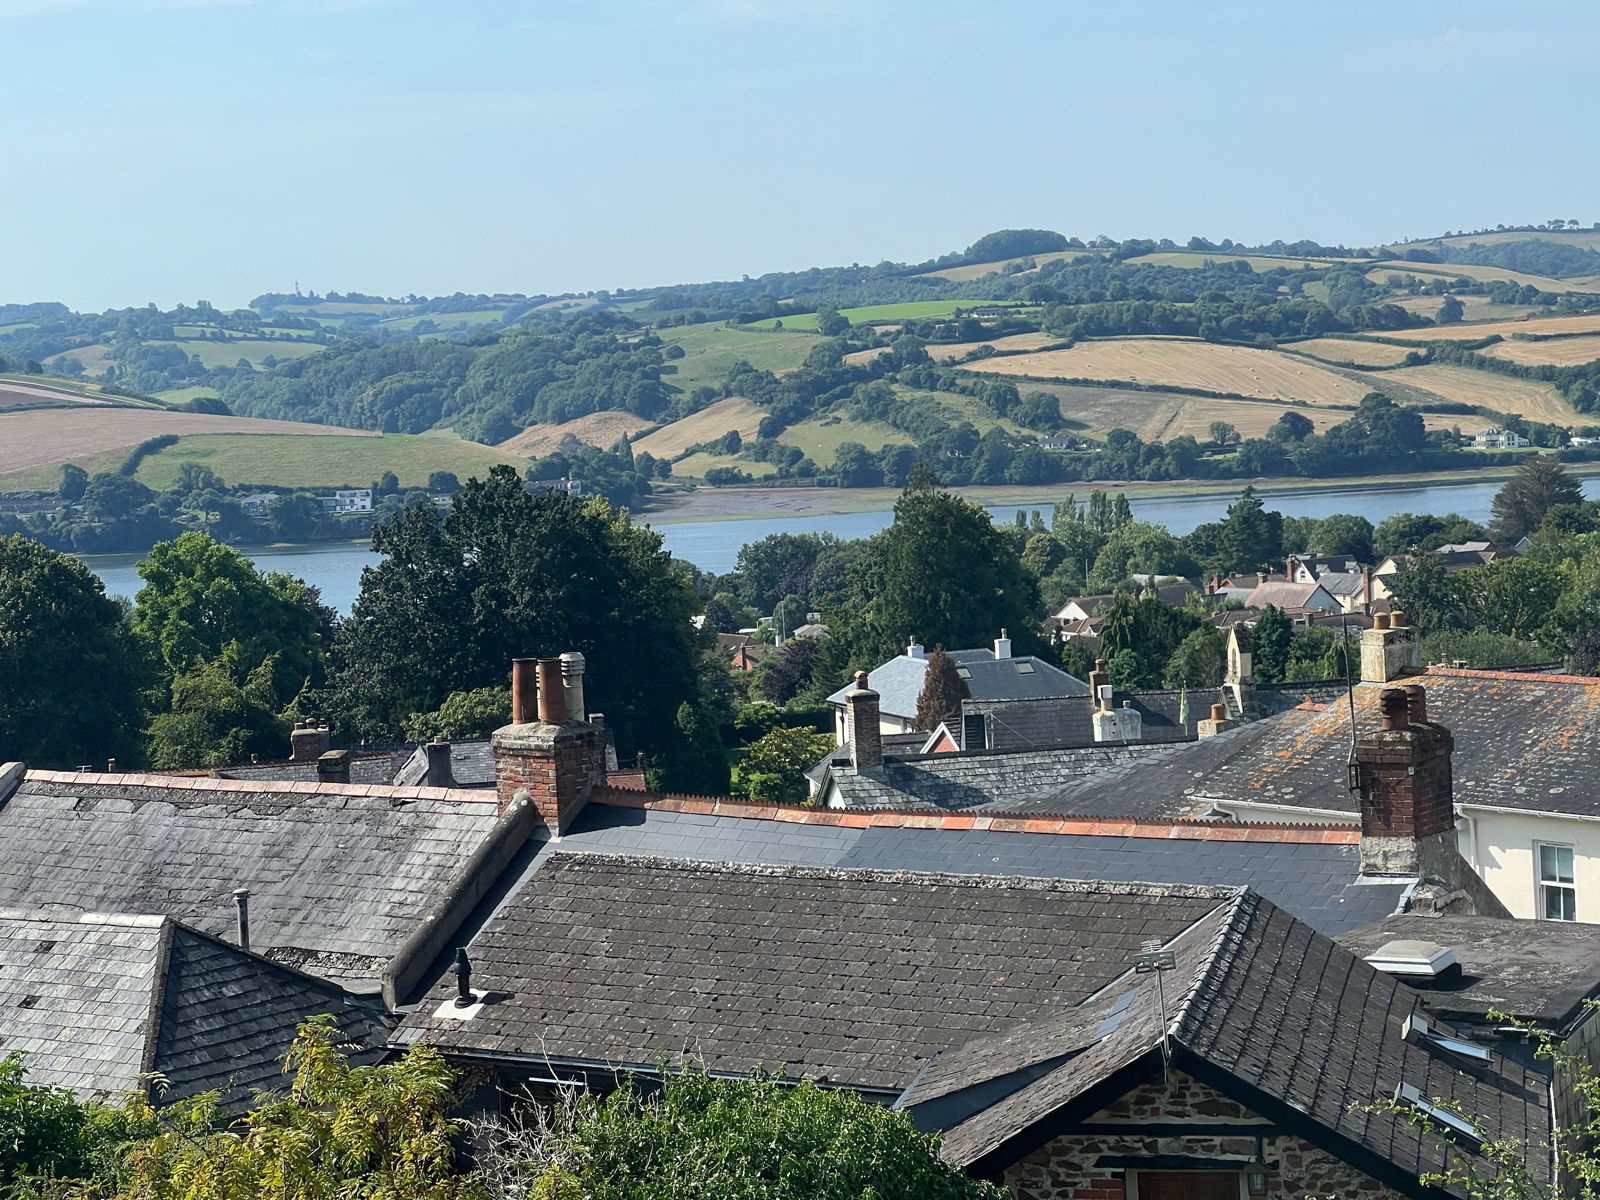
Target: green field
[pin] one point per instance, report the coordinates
(710, 350)
(696, 465)
(181, 396)
(874, 313)
(341, 308)
(183, 332)
(226, 354)
(311, 460)
(447, 321)
(1199, 258)
(821, 437)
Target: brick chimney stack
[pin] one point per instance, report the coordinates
(308, 741)
(546, 755)
(861, 726)
(1403, 775)
(1217, 722)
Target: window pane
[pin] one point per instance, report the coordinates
(1555, 864)
(1559, 903)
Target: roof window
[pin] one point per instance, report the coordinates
(1423, 1032)
(1452, 1123)
(1024, 668)
(964, 673)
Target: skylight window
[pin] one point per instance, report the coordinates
(1024, 668)
(1451, 1122)
(1418, 1028)
(964, 673)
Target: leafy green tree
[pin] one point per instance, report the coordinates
(293, 518)
(1451, 311)
(831, 323)
(1141, 548)
(1481, 649)
(193, 477)
(1198, 662)
(1539, 484)
(72, 674)
(788, 615)
(1511, 596)
(1250, 535)
(220, 712)
(113, 497)
(48, 1135)
(1429, 595)
(1222, 433)
(948, 576)
(1345, 533)
(201, 597)
(445, 481)
(942, 692)
(788, 672)
(1143, 635)
(462, 717)
(505, 575)
(74, 479)
(1405, 532)
(778, 565)
(1292, 427)
(337, 1132)
(697, 762)
(1273, 638)
(774, 765)
(696, 1136)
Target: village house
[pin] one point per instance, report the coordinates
(1495, 438)
(988, 674)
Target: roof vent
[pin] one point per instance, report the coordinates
(29, 1001)
(1419, 963)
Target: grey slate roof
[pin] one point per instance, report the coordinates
(898, 682)
(95, 1002)
(1263, 1008)
(1317, 882)
(974, 777)
(854, 976)
(1522, 741)
(1539, 970)
(366, 766)
(338, 878)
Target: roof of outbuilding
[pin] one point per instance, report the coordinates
(339, 875)
(898, 682)
(95, 1002)
(1281, 593)
(1538, 970)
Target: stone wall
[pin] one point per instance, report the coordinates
(1066, 1168)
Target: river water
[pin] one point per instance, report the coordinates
(713, 545)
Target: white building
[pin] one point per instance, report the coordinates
(1499, 439)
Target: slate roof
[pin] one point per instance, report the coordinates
(339, 878)
(1281, 593)
(1522, 741)
(1317, 881)
(95, 1002)
(898, 682)
(366, 766)
(854, 976)
(1261, 1007)
(971, 777)
(990, 1005)
(1018, 724)
(1538, 970)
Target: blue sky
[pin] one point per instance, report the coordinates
(187, 149)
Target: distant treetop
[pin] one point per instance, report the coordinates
(1015, 243)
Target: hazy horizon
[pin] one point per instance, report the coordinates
(167, 150)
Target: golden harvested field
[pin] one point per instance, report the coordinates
(1584, 238)
(706, 425)
(57, 435)
(1381, 273)
(1177, 362)
(1347, 350)
(1475, 308)
(978, 270)
(32, 395)
(1015, 341)
(856, 357)
(1557, 352)
(602, 429)
(1533, 400)
(1468, 333)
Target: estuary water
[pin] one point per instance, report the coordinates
(713, 545)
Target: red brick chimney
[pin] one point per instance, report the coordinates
(1403, 775)
(547, 755)
(861, 726)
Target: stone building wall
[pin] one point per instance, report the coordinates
(1065, 1169)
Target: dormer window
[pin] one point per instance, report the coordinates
(1419, 1030)
(1452, 1123)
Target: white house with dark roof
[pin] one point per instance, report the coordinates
(994, 674)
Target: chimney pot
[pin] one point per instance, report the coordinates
(241, 904)
(572, 669)
(1219, 713)
(914, 649)
(1381, 621)
(1416, 703)
(524, 690)
(1395, 708)
(552, 695)
(1397, 619)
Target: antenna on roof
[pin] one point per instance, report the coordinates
(1153, 958)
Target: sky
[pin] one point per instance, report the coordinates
(167, 150)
